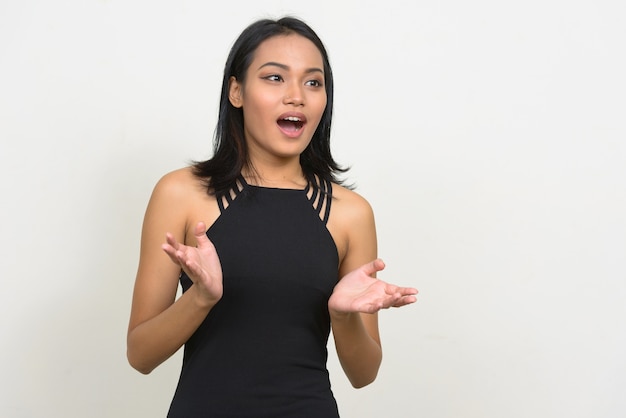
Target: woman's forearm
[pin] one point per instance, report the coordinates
(359, 354)
(155, 340)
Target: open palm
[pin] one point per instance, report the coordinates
(201, 263)
(358, 291)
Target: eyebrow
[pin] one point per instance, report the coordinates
(286, 67)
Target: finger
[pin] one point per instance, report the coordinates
(190, 265)
(373, 266)
(170, 251)
(200, 229)
(176, 256)
(406, 300)
(405, 291)
(200, 234)
(171, 240)
(398, 296)
(402, 291)
(192, 268)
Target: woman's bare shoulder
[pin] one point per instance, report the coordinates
(350, 204)
(180, 185)
(352, 225)
(351, 220)
(178, 202)
(179, 192)
(178, 181)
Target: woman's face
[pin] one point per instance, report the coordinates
(283, 97)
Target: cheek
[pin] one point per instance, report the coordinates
(323, 101)
(257, 120)
(321, 109)
(259, 108)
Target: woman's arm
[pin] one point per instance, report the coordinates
(358, 296)
(159, 325)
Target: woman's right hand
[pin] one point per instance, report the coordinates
(201, 263)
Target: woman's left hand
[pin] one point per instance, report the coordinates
(358, 291)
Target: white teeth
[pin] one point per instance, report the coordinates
(292, 119)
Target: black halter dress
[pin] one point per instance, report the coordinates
(261, 350)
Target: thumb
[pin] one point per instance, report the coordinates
(373, 266)
(200, 234)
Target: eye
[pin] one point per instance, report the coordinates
(273, 77)
(314, 83)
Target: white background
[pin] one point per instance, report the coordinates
(488, 136)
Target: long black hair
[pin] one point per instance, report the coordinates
(230, 152)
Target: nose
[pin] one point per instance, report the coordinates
(294, 95)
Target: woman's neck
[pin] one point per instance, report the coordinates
(275, 175)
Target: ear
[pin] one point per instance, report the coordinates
(234, 92)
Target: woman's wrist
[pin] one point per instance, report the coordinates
(338, 316)
(202, 299)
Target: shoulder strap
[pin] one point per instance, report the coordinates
(321, 197)
(224, 200)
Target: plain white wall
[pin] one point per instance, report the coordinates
(488, 136)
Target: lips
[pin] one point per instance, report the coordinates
(291, 123)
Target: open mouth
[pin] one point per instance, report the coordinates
(291, 123)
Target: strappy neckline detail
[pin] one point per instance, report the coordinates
(226, 199)
(321, 198)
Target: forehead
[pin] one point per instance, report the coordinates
(292, 50)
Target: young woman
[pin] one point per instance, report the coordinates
(270, 250)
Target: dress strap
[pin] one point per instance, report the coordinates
(321, 197)
(224, 200)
